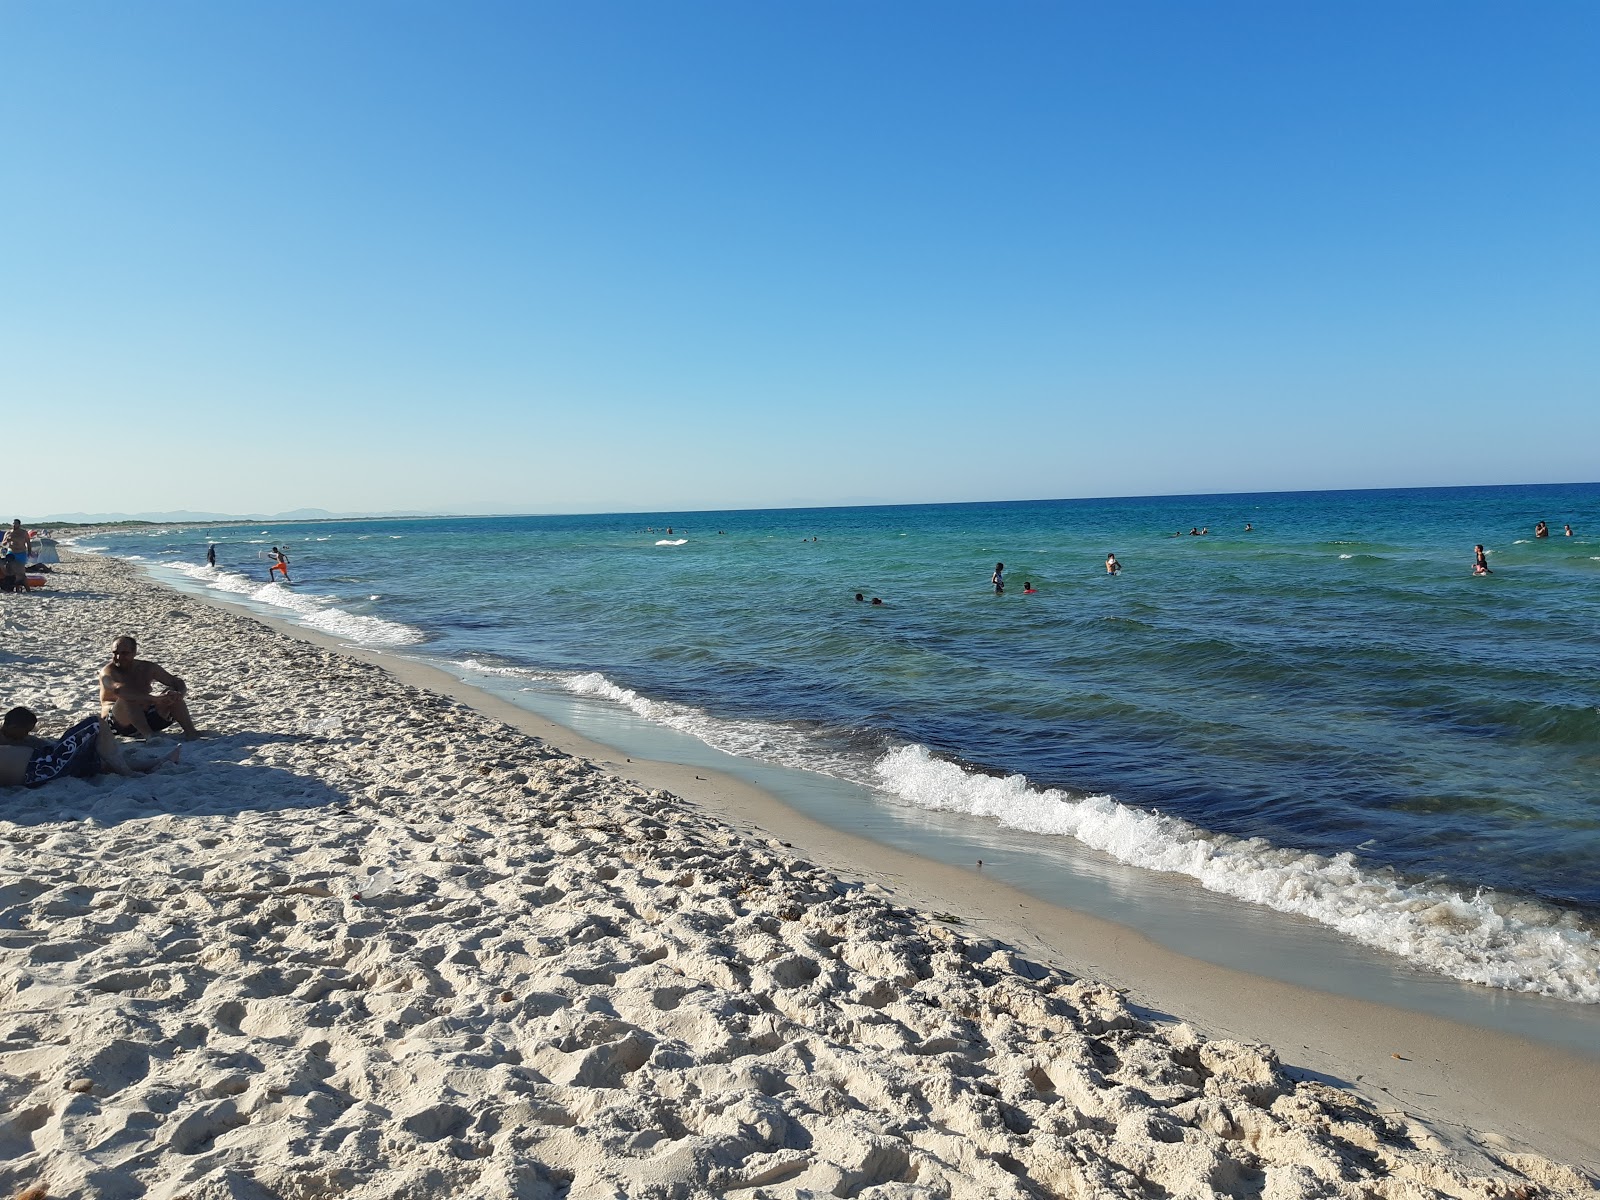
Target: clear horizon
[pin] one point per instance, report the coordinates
(719, 256)
(281, 518)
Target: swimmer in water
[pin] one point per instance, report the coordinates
(1566, 531)
(1028, 589)
(859, 597)
(1541, 530)
(1480, 562)
(1112, 565)
(1194, 531)
(875, 600)
(1249, 528)
(999, 578)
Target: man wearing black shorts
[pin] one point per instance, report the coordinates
(125, 694)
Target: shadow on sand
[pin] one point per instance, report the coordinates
(184, 789)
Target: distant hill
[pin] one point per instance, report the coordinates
(187, 517)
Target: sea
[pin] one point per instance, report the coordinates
(1303, 701)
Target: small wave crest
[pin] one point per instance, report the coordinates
(766, 741)
(1486, 938)
(672, 541)
(317, 612)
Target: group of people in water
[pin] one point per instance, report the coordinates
(998, 579)
(1480, 563)
(130, 707)
(1480, 558)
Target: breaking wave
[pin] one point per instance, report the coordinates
(1484, 937)
(316, 612)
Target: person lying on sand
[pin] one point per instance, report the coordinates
(17, 730)
(125, 697)
(86, 749)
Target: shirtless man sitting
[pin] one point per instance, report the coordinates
(125, 695)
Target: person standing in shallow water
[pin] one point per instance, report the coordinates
(1113, 567)
(1541, 530)
(999, 578)
(211, 556)
(1480, 563)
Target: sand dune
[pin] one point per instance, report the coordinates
(365, 941)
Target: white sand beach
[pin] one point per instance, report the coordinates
(369, 940)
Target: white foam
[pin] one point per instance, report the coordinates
(317, 612)
(765, 741)
(670, 542)
(1519, 945)
(1485, 938)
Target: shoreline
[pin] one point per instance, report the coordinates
(1359, 1038)
(1216, 997)
(1172, 911)
(1118, 849)
(1456, 1079)
(1257, 940)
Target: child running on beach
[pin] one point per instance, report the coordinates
(280, 562)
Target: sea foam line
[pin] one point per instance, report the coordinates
(318, 612)
(1486, 938)
(1520, 945)
(765, 741)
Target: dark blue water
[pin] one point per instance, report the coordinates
(1397, 733)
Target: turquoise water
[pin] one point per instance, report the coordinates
(1328, 715)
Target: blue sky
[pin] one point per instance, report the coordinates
(603, 256)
